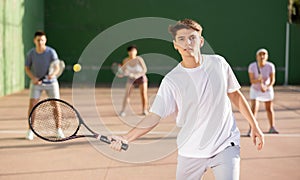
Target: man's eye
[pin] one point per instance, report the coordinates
(193, 37)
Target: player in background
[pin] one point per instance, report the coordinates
(37, 64)
(262, 79)
(136, 69)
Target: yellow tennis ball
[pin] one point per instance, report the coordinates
(77, 67)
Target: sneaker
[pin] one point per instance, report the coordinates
(145, 113)
(249, 133)
(60, 133)
(272, 130)
(29, 135)
(122, 114)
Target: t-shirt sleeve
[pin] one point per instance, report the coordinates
(272, 68)
(232, 82)
(54, 55)
(28, 60)
(164, 103)
(251, 68)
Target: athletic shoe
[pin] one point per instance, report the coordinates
(249, 133)
(60, 133)
(273, 131)
(145, 113)
(29, 135)
(122, 114)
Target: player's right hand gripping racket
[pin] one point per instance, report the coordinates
(61, 67)
(116, 68)
(55, 120)
(258, 70)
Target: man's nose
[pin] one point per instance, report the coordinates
(188, 42)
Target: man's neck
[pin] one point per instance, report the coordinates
(190, 62)
(40, 49)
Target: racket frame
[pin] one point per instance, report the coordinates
(73, 136)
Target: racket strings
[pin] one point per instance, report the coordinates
(54, 120)
(117, 69)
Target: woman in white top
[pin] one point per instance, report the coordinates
(262, 78)
(135, 67)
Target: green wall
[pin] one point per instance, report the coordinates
(11, 55)
(18, 20)
(33, 20)
(234, 29)
(294, 57)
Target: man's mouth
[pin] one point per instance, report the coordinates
(188, 49)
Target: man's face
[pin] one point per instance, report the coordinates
(40, 41)
(188, 42)
(262, 57)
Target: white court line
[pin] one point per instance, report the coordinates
(151, 133)
(282, 135)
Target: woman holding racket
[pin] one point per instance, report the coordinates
(135, 68)
(262, 78)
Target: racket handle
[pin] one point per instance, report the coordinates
(106, 140)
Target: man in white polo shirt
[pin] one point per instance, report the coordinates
(200, 89)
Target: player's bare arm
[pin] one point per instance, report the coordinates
(272, 79)
(143, 65)
(34, 79)
(253, 80)
(240, 102)
(146, 125)
(55, 71)
(142, 62)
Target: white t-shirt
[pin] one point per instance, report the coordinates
(204, 112)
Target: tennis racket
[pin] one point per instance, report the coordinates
(258, 70)
(116, 68)
(55, 120)
(61, 67)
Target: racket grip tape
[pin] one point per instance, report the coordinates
(106, 140)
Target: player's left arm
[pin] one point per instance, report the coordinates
(55, 72)
(272, 80)
(142, 62)
(55, 59)
(240, 102)
(144, 67)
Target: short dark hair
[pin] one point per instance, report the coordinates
(185, 24)
(129, 48)
(39, 33)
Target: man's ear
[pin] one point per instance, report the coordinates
(201, 41)
(175, 45)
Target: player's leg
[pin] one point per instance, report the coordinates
(144, 95)
(190, 168)
(254, 104)
(126, 100)
(271, 116)
(226, 164)
(52, 91)
(34, 94)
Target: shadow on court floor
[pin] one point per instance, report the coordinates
(79, 159)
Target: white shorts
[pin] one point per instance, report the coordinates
(261, 96)
(225, 165)
(52, 90)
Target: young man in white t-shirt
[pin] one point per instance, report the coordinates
(200, 89)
